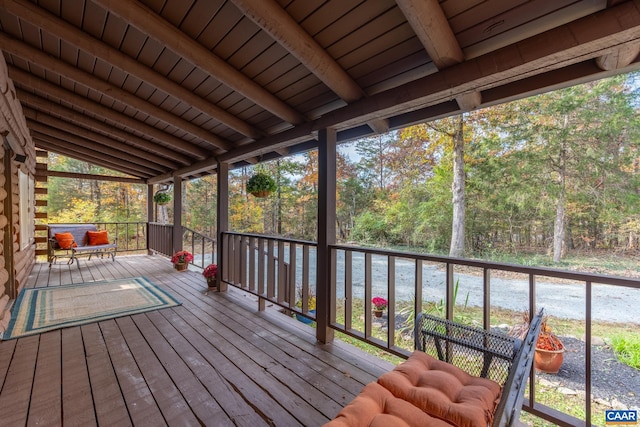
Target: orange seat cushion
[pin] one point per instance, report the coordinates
(375, 406)
(98, 237)
(443, 390)
(65, 240)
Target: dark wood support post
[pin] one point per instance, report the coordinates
(326, 231)
(177, 213)
(222, 219)
(150, 213)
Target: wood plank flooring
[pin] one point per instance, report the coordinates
(214, 361)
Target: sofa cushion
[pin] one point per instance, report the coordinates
(375, 406)
(65, 240)
(443, 390)
(98, 237)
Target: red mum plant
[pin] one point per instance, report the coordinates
(182, 257)
(210, 272)
(379, 303)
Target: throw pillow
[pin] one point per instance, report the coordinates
(65, 240)
(98, 238)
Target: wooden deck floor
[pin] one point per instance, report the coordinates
(215, 360)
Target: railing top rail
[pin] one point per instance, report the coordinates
(191, 230)
(277, 238)
(536, 271)
(97, 222)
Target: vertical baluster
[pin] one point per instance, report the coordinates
(281, 274)
(418, 290)
(587, 358)
(261, 255)
(252, 264)
(367, 295)
(305, 277)
(486, 299)
(271, 270)
(243, 262)
(290, 284)
(348, 289)
(449, 298)
(391, 305)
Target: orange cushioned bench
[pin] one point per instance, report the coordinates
(429, 391)
(72, 240)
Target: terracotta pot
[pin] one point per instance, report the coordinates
(377, 313)
(261, 193)
(181, 266)
(548, 361)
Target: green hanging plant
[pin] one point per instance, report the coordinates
(162, 198)
(261, 185)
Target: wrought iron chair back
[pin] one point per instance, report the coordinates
(496, 356)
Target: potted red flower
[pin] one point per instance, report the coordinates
(209, 273)
(379, 305)
(181, 260)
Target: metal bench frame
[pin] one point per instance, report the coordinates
(79, 232)
(486, 354)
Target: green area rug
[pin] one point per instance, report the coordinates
(39, 310)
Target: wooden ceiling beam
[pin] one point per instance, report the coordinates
(619, 58)
(54, 25)
(275, 21)
(75, 175)
(141, 17)
(81, 141)
(61, 147)
(28, 80)
(56, 110)
(144, 157)
(64, 70)
(583, 39)
(430, 24)
(589, 38)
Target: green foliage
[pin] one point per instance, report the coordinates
(627, 349)
(261, 182)
(162, 198)
(370, 227)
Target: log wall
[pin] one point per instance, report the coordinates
(14, 138)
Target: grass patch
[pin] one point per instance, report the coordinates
(627, 349)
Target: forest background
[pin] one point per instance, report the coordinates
(542, 176)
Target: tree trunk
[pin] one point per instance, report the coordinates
(458, 190)
(559, 223)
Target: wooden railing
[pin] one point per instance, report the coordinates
(444, 285)
(161, 238)
(202, 247)
(274, 269)
(438, 284)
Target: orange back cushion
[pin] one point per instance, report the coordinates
(98, 237)
(65, 240)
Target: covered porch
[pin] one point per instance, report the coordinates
(169, 91)
(214, 360)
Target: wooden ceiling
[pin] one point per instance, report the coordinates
(157, 88)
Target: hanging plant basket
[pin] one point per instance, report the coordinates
(261, 185)
(162, 198)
